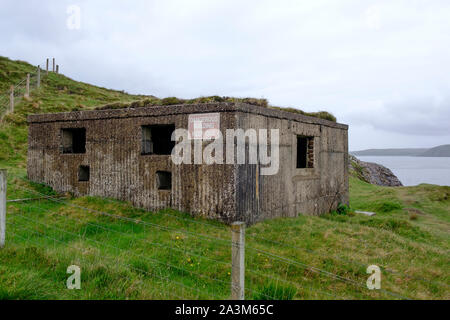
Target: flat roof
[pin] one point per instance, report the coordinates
(155, 111)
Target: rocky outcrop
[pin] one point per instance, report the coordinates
(373, 173)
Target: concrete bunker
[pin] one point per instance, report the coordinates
(126, 154)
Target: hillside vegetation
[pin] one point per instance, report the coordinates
(129, 253)
(154, 101)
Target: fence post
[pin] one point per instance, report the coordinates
(238, 261)
(11, 100)
(38, 80)
(57, 68)
(27, 90)
(47, 67)
(2, 207)
(53, 65)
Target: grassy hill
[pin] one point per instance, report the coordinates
(128, 253)
(58, 93)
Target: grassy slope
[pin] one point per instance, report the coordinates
(121, 259)
(57, 94)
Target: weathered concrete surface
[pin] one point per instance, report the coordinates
(227, 192)
(292, 191)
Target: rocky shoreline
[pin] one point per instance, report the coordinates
(373, 173)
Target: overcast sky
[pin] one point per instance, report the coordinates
(383, 67)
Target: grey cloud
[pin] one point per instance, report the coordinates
(380, 65)
(425, 116)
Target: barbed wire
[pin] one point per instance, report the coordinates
(345, 261)
(313, 252)
(86, 238)
(295, 284)
(104, 257)
(127, 235)
(138, 221)
(336, 277)
(321, 271)
(19, 91)
(153, 243)
(267, 253)
(120, 250)
(151, 259)
(144, 240)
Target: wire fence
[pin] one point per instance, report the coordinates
(20, 90)
(183, 258)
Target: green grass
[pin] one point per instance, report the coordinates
(58, 93)
(154, 101)
(164, 256)
(170, 255)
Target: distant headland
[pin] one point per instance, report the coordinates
(439, 151)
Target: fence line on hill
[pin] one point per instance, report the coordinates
(24, 88)
(20, 90)
(255, 270)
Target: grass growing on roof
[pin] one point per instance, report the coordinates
(153, 101)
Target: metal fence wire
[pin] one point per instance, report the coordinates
(185, 258)
(8, 101)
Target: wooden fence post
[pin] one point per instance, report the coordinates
(11, 100)
(2, 207)
(57, 68)
(38, 80)
(238, 261)
(27, 90)
(47, 66)
(53, 65)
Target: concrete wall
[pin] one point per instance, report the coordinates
(118, 170)
(294, 191)
(224, 192)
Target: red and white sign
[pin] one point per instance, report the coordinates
(204, 126)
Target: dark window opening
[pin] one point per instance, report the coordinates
(164, 180)
(157, 139)
(83, 173)
(74, 140)
(305, 152)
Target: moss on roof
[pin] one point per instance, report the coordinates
(154, 101)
